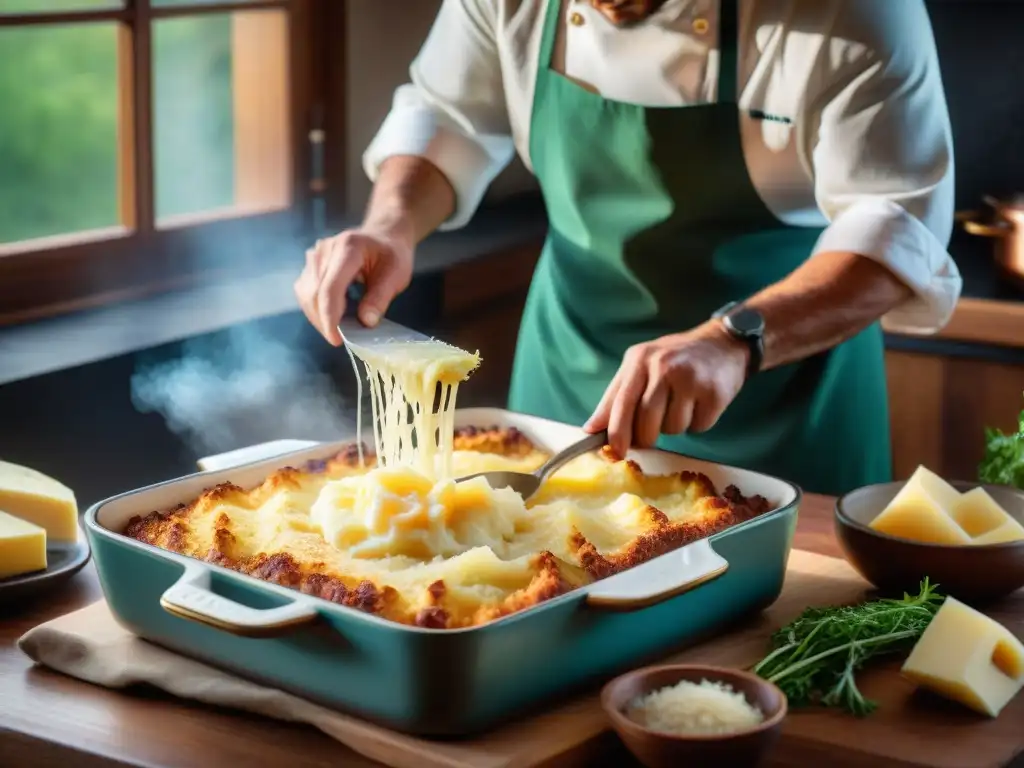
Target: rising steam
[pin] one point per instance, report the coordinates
(223, 395)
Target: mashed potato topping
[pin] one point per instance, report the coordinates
(397, 511)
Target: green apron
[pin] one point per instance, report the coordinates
(655, 224)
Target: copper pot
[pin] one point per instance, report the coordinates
(1004, 222)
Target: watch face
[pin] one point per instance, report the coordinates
(746, 322)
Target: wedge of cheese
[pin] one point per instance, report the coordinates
(969, 658)
(39, 499)
(981, 517)
(1004, 534)
(920, 511)
(22, 546)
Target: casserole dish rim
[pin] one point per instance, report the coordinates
(464, 417)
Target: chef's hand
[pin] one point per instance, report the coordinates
(380, 259)
(674, 384)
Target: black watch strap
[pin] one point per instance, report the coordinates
(746, 325)
(756, 346)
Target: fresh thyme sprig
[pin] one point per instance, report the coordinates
(815, 657)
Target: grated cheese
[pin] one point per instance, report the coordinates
(688, 708)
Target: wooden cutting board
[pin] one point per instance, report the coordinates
(908, 729)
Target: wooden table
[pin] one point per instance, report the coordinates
(47, 719)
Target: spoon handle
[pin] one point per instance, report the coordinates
(564, 456)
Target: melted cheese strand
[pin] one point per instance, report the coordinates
(375, 408)
(406, 379)
(359, 407)
(446, 433)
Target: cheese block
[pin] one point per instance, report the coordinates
(920, 511)
(39, 499)
(965, 656)
(979, 514)
(22, 546)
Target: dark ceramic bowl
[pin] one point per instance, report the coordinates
(661, 750)
(970, 573)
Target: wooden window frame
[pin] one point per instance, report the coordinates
(49, 276)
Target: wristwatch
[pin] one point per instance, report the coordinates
(746, 325)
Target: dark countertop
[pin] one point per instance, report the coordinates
(990, 353)
(41, 347)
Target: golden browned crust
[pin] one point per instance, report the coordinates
(176, 530)
(717, 514)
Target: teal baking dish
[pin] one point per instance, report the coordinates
(427, 682)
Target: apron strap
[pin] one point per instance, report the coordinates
(547, 41)
(728, 51)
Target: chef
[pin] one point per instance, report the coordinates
(741, 194)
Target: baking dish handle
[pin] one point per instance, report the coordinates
(252, 453)
(659, 579)
(191, 598)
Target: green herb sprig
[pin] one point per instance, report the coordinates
(816, 656)
(1003, 462)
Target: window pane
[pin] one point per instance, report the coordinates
(55, 6)
(58, 129)
(192, 115)
(221, 113)
(198, 2)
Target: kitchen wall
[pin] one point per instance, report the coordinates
(383, 38)
(982, 60)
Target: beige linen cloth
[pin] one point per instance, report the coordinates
(89, 644)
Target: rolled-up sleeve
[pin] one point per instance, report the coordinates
(883, 160)
(453, 113)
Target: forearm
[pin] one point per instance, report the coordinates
(829, 299)
(411, 198)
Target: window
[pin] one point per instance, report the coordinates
(149, 143)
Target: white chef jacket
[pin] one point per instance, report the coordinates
(842, 111)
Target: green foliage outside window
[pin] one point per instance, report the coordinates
(59, 115)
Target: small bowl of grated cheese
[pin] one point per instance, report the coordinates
(682, 714)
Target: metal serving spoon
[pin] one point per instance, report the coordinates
(527, 484)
